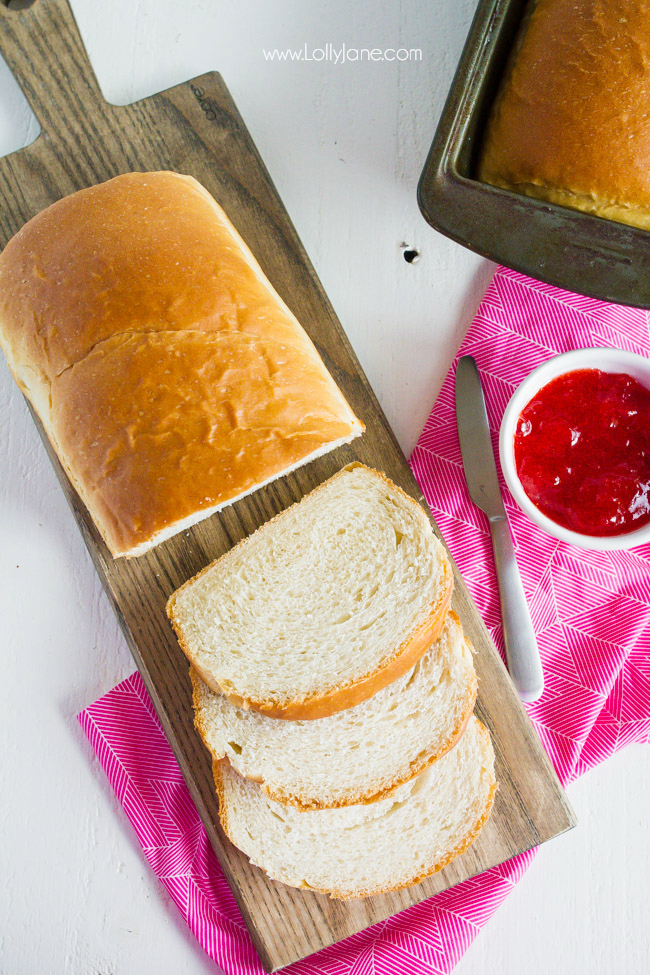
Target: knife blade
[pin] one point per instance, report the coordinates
(522, 652)
(475, 443)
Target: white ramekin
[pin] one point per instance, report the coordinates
(609, 360)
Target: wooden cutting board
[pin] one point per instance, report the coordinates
(195, 128)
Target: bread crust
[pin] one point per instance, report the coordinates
(570, 124)
(168, 374)
(323, 705)
(339, 894)
(306, 803)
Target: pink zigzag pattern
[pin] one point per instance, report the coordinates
(591, 611)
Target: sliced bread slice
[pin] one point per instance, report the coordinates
(324, 605)
(358, 755)
(366, 849)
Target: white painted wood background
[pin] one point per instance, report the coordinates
(345, 145)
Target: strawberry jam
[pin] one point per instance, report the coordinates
(582, 452)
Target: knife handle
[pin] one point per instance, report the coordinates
(522, 652)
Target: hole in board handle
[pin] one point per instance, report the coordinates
(17, 4)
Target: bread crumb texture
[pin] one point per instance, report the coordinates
(357, 755)
(367, 849)
(345, 590)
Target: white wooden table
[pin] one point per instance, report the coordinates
(345, 144)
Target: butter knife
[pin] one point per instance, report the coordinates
(481, 474)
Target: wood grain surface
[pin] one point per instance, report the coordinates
(195, 128)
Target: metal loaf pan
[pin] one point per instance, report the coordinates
(567, 248)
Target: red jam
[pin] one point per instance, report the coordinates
(582, 452)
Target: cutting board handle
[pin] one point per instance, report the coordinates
(40, 41)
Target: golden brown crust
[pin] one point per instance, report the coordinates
(167, 372)
(221, 796)
(338, 699)
(571, 124)
(462, 847)
(210, 431)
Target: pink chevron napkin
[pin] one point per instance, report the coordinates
(591, 611)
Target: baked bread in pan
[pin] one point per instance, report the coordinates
(571, 123)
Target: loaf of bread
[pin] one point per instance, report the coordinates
(170, 377)
(324, 605)
(571, 123)
(358, 755)
(366, 849)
